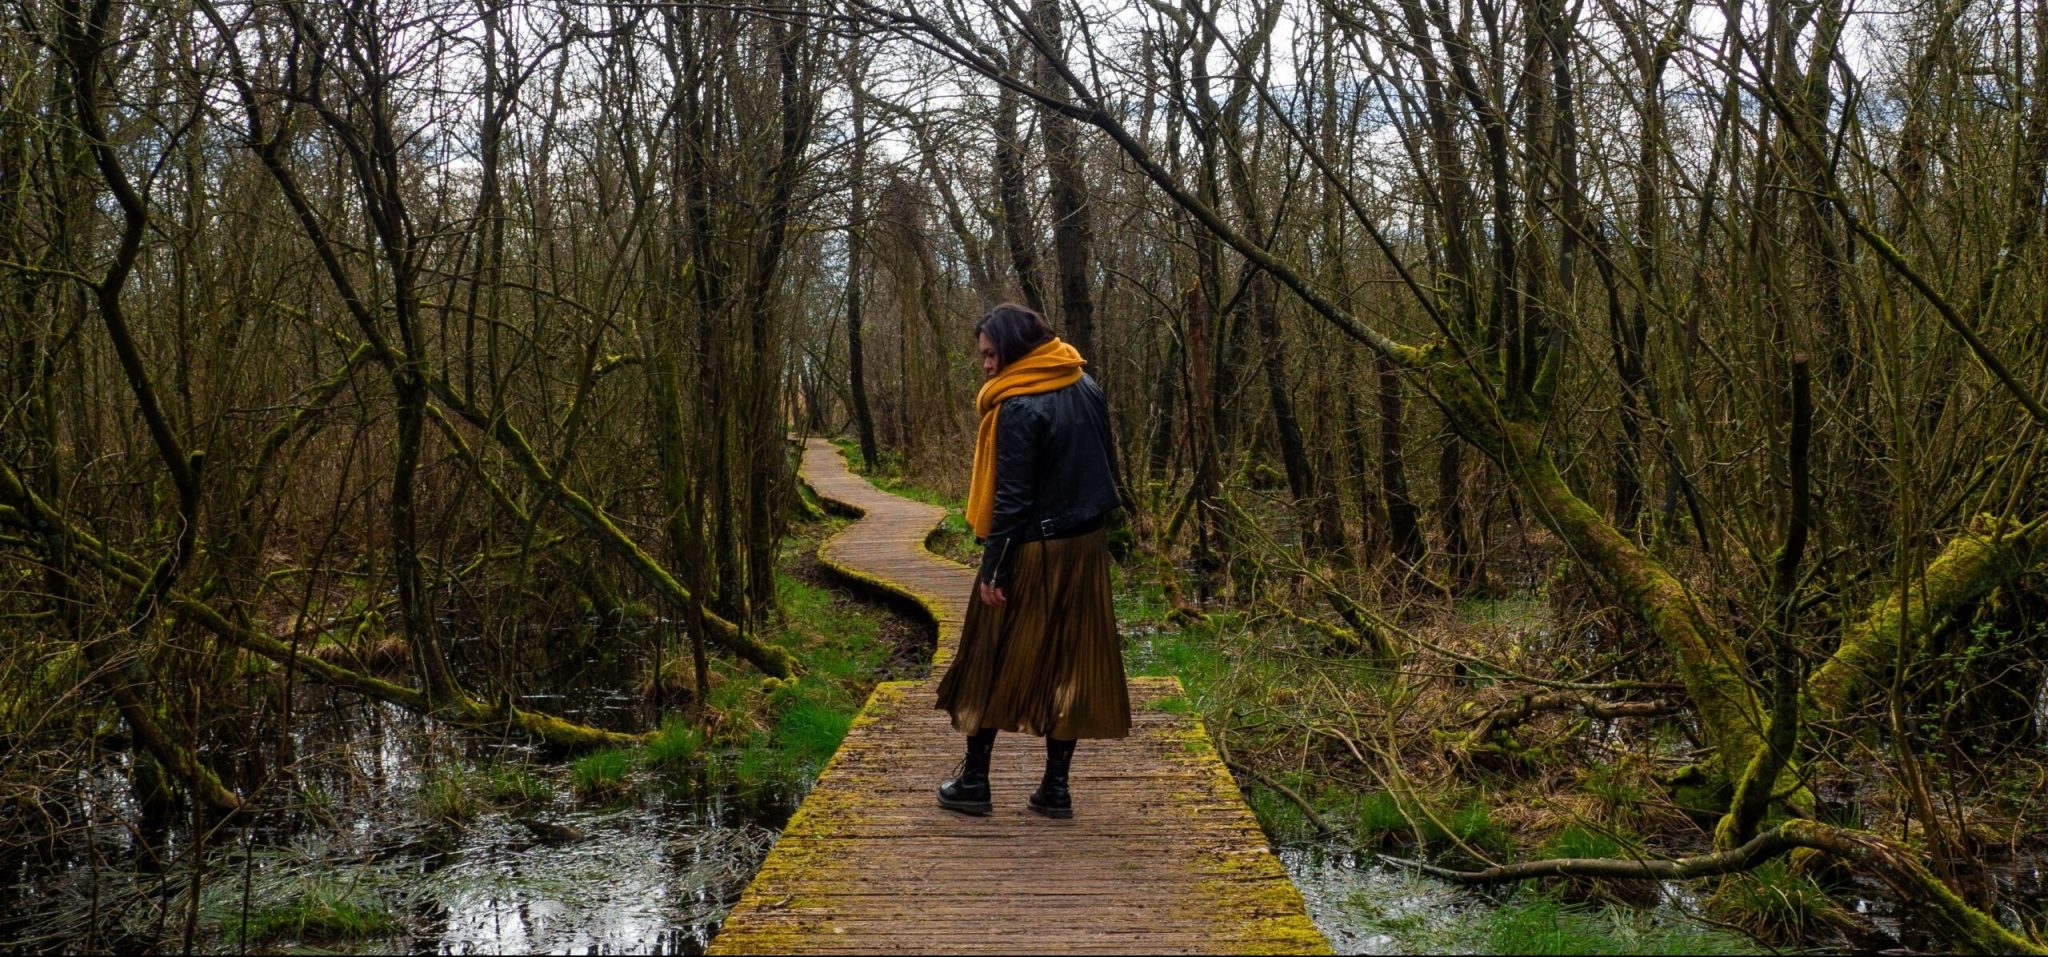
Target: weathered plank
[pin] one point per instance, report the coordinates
(1161, 857)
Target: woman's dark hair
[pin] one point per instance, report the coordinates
(1015, 330)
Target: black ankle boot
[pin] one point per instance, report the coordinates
(1052, 798)
(968, 793)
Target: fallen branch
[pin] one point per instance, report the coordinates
(1315, 817)
(1517, 711)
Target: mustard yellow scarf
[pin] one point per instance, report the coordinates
(1054, 365)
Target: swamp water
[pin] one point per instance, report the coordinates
(373, 864)
(1365, 907)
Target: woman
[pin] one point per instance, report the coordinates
(1039, 653)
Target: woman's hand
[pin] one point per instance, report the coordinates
(991, 595)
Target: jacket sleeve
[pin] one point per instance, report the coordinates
(1018, 430)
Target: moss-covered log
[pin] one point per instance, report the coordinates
(1890, 630)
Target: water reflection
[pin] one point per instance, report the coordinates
(654, 874)
(1355, 901)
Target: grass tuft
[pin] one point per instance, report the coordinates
(457, 795)
(1774, 903)
(601, 774)
(1577, 841)
(675, 747)
(448, 798)
(318, 914)
(1624, 791)
(514, 787)
(810, 730)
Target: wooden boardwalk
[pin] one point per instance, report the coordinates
(1162, 855)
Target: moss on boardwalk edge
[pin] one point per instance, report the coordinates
(927, 602)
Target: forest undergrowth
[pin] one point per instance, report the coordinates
(1522, 724)
(1533, 723)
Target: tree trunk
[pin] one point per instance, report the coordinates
(1018, 230)
(1404, 517)
(1069, 198)
(1325, 535)
(856, 262)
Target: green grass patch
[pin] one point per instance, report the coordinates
(1382, 818)
(1378, 814)
(675, 747)
(1279, 817)
(1576, 841)
(834, 638)
(601, 774)
(1172, 704)
(448, 798)
(1194, 655)
(1513, 611)
(1774, 903)
(514, 786)
(1544, 926)
(1623, 788)
(810, 730)
(809, 720)
(456, 794)
(1138, 601)
(320, 914)
(783, 732)
(1473, 825)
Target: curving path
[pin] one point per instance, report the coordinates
(1162, 855)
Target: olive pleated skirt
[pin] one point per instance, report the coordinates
(1049, 661)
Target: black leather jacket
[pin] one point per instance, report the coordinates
(1055, 471)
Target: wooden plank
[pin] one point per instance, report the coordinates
(1162, 855)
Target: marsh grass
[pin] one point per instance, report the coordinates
(601, 774)
(447, 798)
(319, 916)
(1377, 813)
(1544, 926)
(456, 794)
(302, 905)
(1172, 704)
(1239, 673)
(515, 787)
(1578, 841)
(783, 732)
(676, 747)
(1775, 903)
(1627, 794)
